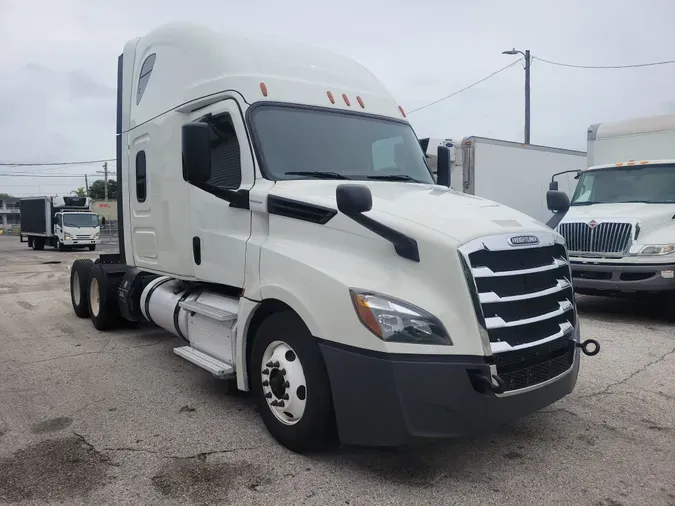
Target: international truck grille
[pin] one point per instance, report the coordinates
(598, 238)
(535, 365)
(524, 301)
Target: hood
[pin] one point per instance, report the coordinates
(457, 215)
(647, 215)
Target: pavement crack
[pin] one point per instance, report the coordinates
(606, 391)
(154, 343)
(128, 449)
(198, 456)
(203, 455)
(84, 440)
(62, 357)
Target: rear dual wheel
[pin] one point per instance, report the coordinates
(80, 273)
(102, 300)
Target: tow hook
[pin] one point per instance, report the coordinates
(495, 385)
(590, 347)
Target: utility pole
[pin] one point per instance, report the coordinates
(86, 185)
(105, 179)
(528, 61)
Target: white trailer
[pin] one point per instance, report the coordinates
(620, 229)
(277, 215)
(511, 173)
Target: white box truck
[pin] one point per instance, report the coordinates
(60, 222)
(511, 173)
(620, 230)
(277, 215)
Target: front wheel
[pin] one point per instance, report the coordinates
(92, 247)
(291, 386)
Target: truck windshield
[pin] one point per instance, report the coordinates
(651, 184)
(80, 220)
(301, 143)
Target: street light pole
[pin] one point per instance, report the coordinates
(528, 60)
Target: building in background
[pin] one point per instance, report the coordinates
(9, 212)
(107, 209)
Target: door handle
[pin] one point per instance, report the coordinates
(197, 250)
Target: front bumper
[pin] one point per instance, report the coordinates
(81, 242)
(386, 400)
(626, 278)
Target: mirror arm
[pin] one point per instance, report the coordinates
(555, 219)
(405, 246)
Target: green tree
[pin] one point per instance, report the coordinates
(5, 196)
(97, 189)
(81, 192)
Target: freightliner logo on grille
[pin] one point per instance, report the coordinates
(523, 240)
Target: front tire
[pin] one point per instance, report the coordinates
(102, 300)
(92, 247)
(291, 386)
(80, 273)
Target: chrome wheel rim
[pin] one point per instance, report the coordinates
(283, 383)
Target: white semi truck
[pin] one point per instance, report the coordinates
(60, 222)
(620, 230)
(277, 215)
(514, 174)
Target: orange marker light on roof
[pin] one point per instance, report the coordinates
(360, 101)
(619, 164)
(263, 88)
(630, 163)
(644, 162)
(346, 99)
(402, 111)
(330, 97)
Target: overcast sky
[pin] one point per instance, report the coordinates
(58, 61)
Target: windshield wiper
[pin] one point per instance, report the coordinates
(588, 203)
(317, 174)
(396, 177)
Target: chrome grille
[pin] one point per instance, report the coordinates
(523, 298)
(606, 237)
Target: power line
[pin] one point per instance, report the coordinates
(48, 175)
(637, 65)
(35, 164)
(466, 87)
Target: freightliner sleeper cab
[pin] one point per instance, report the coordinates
(277, 215)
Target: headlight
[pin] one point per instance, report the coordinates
(96, 236)
(656, 249)
(67, 237)
(396, 321)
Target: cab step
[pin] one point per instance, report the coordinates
(219, 369)
(215, 313)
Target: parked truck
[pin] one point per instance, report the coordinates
(277, 215)
(60, 222)
(620, 230)
(514, 174)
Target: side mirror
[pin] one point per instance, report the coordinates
(196, 147)
(557, 201)
(443, 166)
(353, 199)
(553, 186)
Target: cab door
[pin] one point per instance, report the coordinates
(58, 226)
(219, 231)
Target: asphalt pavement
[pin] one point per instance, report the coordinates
(116, 418)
